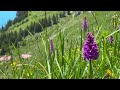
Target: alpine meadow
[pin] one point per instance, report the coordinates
(61, 45)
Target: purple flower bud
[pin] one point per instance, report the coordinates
(84, 24)
(111, 39)
(51, 46)
(90, 48)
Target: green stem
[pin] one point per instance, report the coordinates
(81, 44)
(91, 71)
(95, 19)
(63, 64)
(46, 21)
(111, 53)
(84, 35)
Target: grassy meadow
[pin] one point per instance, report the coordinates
(66, 60)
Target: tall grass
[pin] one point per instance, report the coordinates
(66, 61)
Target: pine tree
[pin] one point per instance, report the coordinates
(54, 19)
(9, 23)
(61, 14)
(57, 18)
(50, 22)
(64, 14)
(69, 13)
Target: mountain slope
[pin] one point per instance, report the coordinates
(27, 21)
(66, 61)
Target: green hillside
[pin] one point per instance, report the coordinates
(37, 14)
(70, 26)
(66, 61)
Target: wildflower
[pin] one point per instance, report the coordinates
(14, 64)
(2, 58)
(111, 39)
(108, 73)
(77, 50)
(25, 56)
(8, 58)
(90, 49)
(84, 24)
(51, 46)
(115, 21)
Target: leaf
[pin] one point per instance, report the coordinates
(112, 33)
(86, 69)
(98, 32)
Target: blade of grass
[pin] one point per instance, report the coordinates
(58, 65)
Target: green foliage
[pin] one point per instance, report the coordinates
(66, 62)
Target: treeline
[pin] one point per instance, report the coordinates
(20, 15)
(14, 37)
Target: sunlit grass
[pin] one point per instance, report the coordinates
(66, 62)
